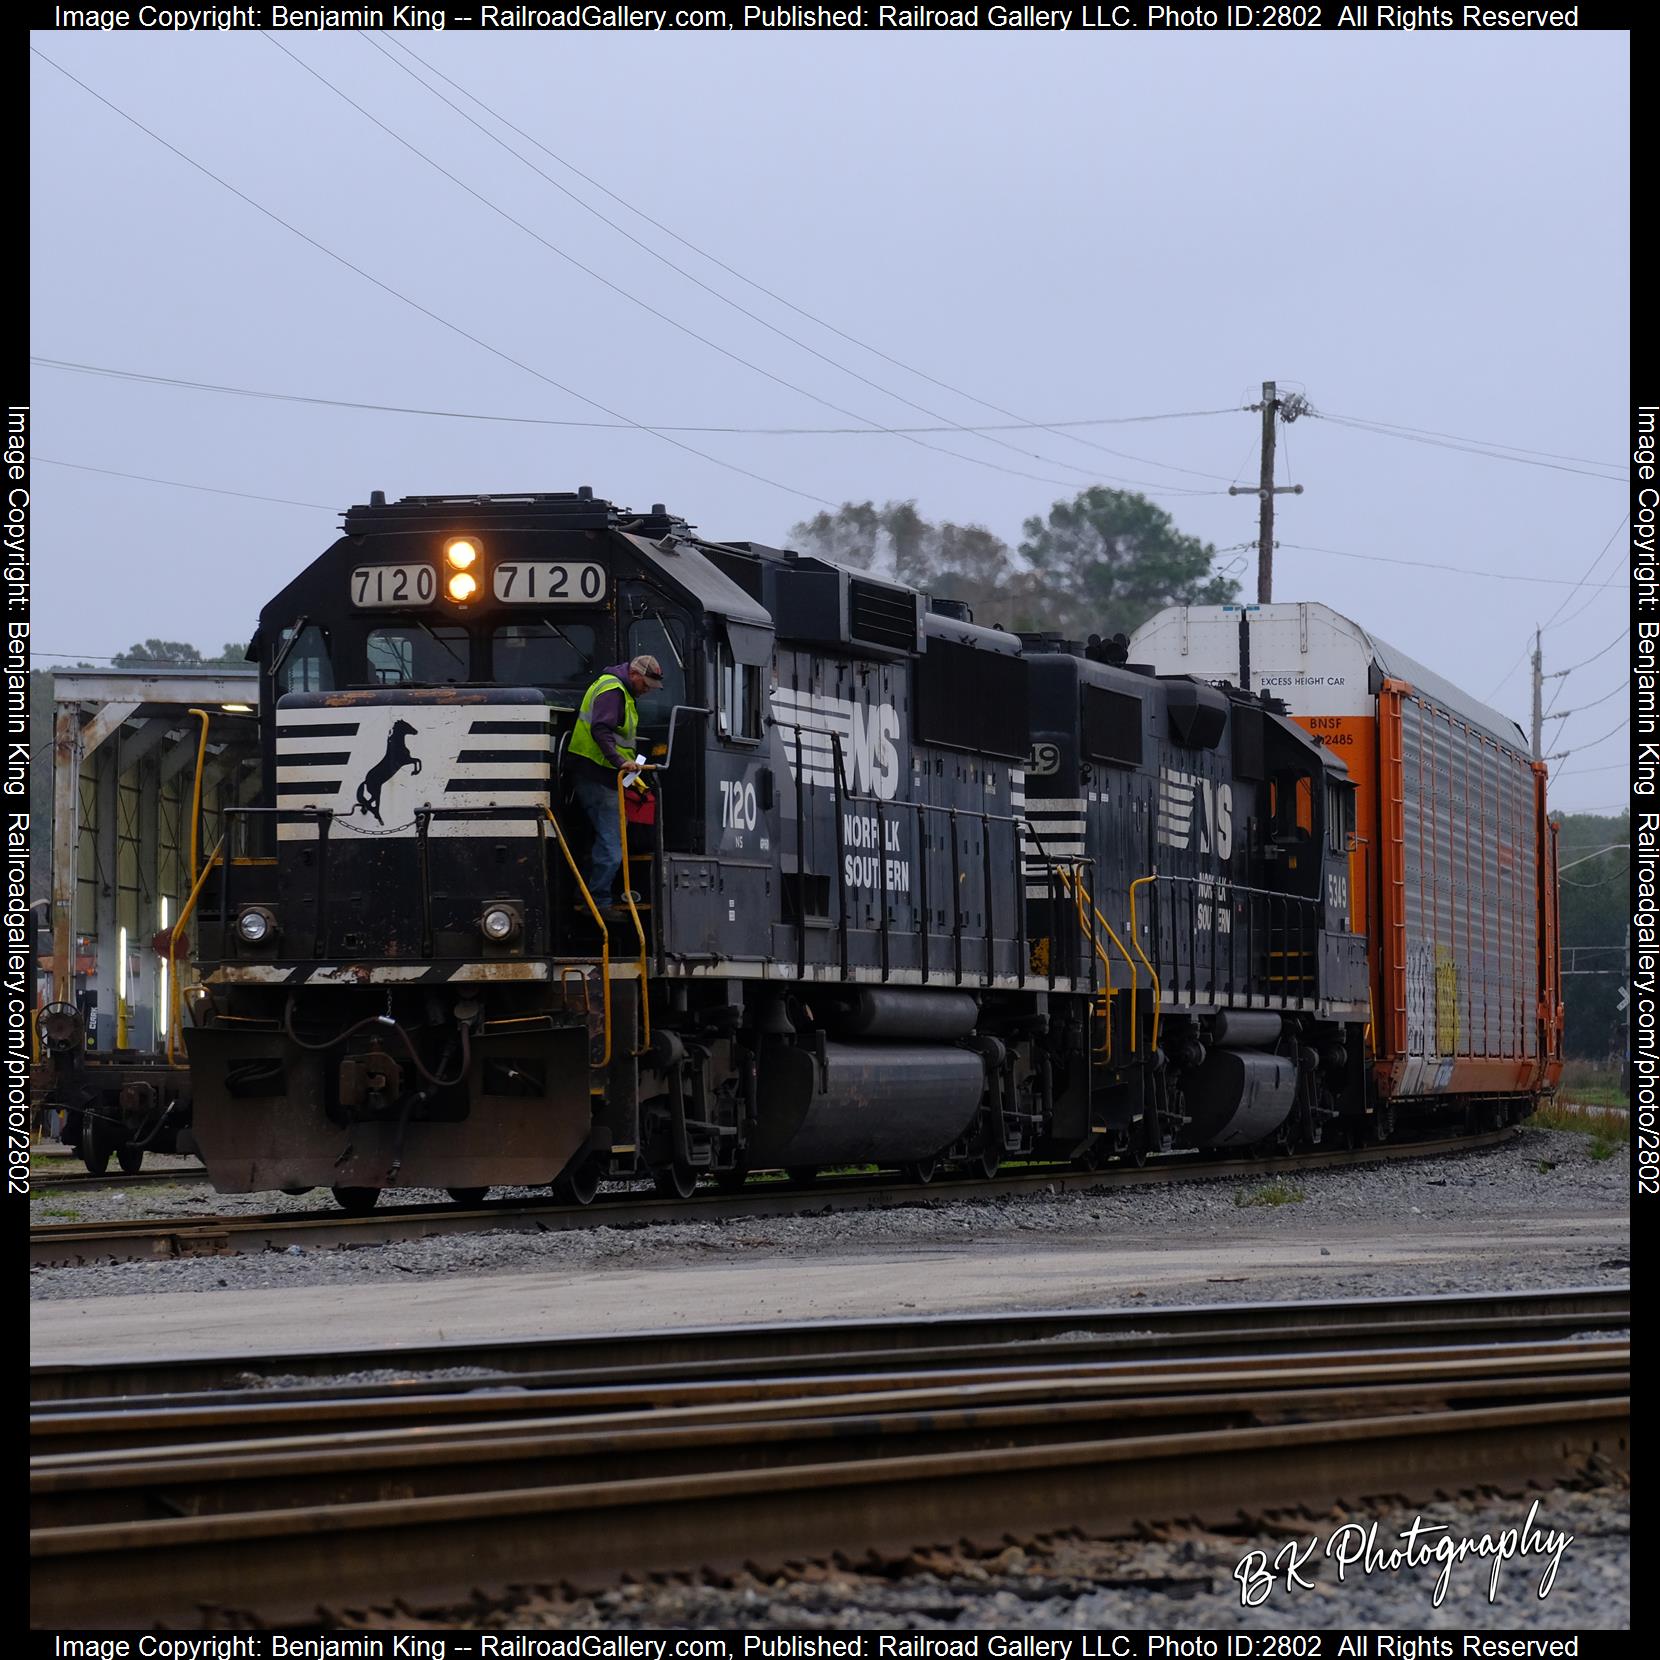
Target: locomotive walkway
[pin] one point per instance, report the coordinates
(166, 1496)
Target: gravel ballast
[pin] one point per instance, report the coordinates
(1179, 1578)
(1543, 1175)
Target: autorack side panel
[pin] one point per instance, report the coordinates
(1464, 857)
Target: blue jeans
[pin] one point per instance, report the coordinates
(599, 801)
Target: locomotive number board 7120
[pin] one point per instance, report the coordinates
(548, 582)
(394, 585)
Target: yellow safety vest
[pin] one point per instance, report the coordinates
(582, 738)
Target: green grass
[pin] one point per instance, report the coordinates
(1608, 1134)
(1596, 1086)
(1270, 1193)
(64, 1213)
(1597, 1095)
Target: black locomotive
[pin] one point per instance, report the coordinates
(917, 892)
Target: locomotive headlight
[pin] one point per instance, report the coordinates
(462, 554)
(499, 924)
(462, 586)
(256, 924)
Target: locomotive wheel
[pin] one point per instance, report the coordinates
(985, 1162)
(922, 1172)
(470, 1198)
(94, 1146)
(131, 1159)
(579, 1183)
(803, 1175)
(295, 1192)
(675, 1181)
(356, 1201)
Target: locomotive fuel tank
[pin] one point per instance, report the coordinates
(912, 1016)
(864, 1103)
(1239, 1096)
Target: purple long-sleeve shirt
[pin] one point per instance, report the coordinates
(604, 719)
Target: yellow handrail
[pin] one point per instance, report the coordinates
(175, 978)
(196, 794)
(1106, 963)
(1135, 940)
(628, 896)
(604, 932)
(1084, 897)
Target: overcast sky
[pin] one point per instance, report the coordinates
(1427, 230)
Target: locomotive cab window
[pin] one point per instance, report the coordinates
(665, 639)
(414, 655)
(1292, 798)
(739, 700)
(545, 654)
(302, 665)
(1340, 815)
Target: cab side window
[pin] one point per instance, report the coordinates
(739, 697)
(665, 639)
(305, 665)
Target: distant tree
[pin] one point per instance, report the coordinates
(1594, 900)
(1108, 559)
(949, 561)
(159, 654)
(1103, 562)
(233, 654)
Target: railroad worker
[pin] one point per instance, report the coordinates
(601, 747)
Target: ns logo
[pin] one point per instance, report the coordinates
(814, 728)
(1194, 811)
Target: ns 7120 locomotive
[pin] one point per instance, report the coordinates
(916, 892)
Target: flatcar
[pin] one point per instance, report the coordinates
(916, 892)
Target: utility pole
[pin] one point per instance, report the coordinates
(1538, 694)
(1288, 409)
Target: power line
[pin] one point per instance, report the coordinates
(139, 376)
(1606, 547)
(1586, 661)
(1429, 432)
(732, 271)
(415, 305)
(1623, 686)
(1466, 449)
(1498, 685)
(179, 484)
(1433, 565)
(725, 299)
(646, 305)
(1578, 749)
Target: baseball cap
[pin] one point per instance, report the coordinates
(649, 667)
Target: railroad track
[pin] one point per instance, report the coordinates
(669, 1451)
(46, 1180)
(63, 1244)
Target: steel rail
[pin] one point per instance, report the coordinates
(71, 1445)
(349, 1468)
(279, 1563)
(53, 1182)
(609, 1361)
(71, 1243)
